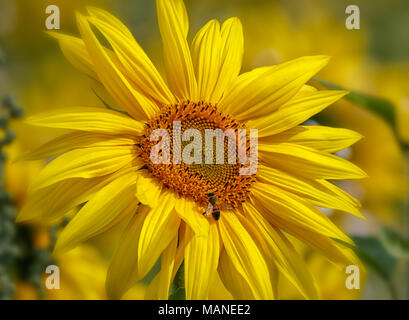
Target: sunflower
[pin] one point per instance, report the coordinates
(104, 162)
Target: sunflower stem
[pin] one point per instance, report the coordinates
(178, 285)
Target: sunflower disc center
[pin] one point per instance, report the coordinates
(196, 180)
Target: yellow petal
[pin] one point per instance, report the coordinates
(293, 210)
(170, 264)
(85, 163)
(218, 291)
(217, 56)
(286, 258)
(266, 252)
(75, 140)
(231, 56)
(319, 193)
(295, 112)
(147, 189)
(307, 162)
(258, 94)
(184, 238)
(305, 89)
(139, 68)
(96, 120)
(159, 288)
(123, 270)
(152, 291)
(107, 207)
(206, 56)
(201, 260)
(76, 53)
(340, 193)
(329, 248)
(105, 16)
(189, 212)
(245, 256)
(174, 26)
(75, 50)
(322, 138)
(53, 202)
(159, 228)
(233, 280)
(135, 103)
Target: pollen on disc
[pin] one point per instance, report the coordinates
(196, 180)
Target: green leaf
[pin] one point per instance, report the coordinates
(379, 106)
(394, 243)
(371, 251)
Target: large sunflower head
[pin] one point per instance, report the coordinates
(105, 171)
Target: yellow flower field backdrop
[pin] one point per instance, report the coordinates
(372, 63)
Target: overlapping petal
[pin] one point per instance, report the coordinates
(134, 102)
(329, 248)
(260, 92)
(51, 203)
(307, 162)
(147, 190)
(189, 212)
(288, 261)
(86, 163)
(325, 244)
(107, 207)
(171, 261)
(206, 56)
(293, 210)
(174, 26)
(233, 280)
(320, 193)
(97, 120)
(217, 55)
(76, 53)
(75, 140)
(160, 285)
(231, 56)
(137, 65)
(245, 256)
(123, 270)
(295, 112)
(322, 138)
(201, 261)
(158, 230)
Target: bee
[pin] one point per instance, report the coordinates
(213, 207)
